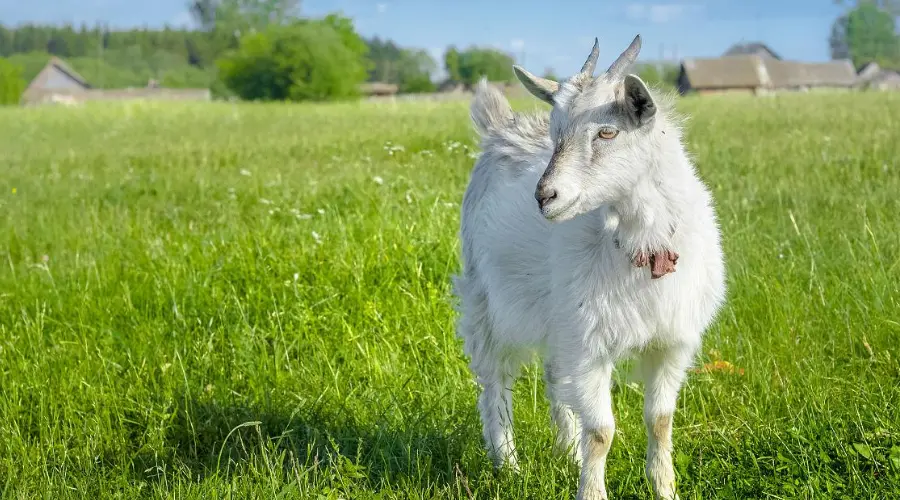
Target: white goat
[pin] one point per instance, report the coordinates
(607, 166)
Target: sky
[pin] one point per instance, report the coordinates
(540, 34)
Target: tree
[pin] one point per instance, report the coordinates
(451, 64)
(305, 60)
(840, 49)
(11, 83)
(890, 6)
(866, 34)
(662, 76)
(476, 63)
(410, 69)
(248, 16)
(204, 11)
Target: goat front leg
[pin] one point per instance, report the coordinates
(664, 372)
(594, 395)
(495, 407)
(568, 425)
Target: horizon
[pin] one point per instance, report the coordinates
(536, 38)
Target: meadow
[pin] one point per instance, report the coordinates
(253, 301)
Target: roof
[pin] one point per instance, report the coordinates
(39, 96)
(868, 70)
(753, 71)
(723, 72)
(840, 73)
(885, 79)
(378, 88)
(59, 65)
(751, 48)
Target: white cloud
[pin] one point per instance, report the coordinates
(517, 44)
(381, 7)
(659, 13)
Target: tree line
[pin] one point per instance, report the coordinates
(252, 49)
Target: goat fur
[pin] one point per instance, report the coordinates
(566, 288)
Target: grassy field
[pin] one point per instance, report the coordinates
(252, 301)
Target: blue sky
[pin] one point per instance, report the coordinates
(559, 37)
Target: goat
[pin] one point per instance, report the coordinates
(561, 217)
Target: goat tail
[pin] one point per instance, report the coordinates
(489, 110)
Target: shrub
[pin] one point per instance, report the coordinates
(306, 60)
(11, 83)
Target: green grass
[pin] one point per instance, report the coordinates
(221, 300)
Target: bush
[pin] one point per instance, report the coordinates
(664, 78)
(11, 83)
(306, 60)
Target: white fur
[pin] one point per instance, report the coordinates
(565, 289)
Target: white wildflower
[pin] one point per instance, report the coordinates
(245, 172)
(378, 180)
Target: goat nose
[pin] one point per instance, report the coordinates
(544, 195)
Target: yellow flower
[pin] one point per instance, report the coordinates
(14, 190)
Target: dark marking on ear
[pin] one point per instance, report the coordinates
(638, 101)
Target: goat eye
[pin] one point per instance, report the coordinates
(608, 133)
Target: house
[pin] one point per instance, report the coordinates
(868, 71)
(58, 83)
(756, 74)
(57, 77)
(751, 49)
(380, 89)
(871, 76)
(886, 80)
(741, 74)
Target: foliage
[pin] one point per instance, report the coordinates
(409, 68)
(183, 58)
(306, 60)
(472, 64)
(663, 76)
(250, 16)
(866, 34)
(451, 64)
(218, 301)
(11, 83)
(890, 6)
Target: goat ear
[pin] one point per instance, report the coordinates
(638, 102)
(542, 88)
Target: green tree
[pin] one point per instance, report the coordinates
(304, 60)
(866, 34)
(11, 83)
(204, 11)
(662, 76)
(249, 16)
(410, 69)
(476, 63)
(890, 6)
(451, 64)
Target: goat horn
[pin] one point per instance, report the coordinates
(591, 62)
(626, 58)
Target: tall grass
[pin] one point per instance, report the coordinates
(253, 301)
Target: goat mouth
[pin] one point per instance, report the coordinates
(558, 214)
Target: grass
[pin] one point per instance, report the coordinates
(253, 301)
